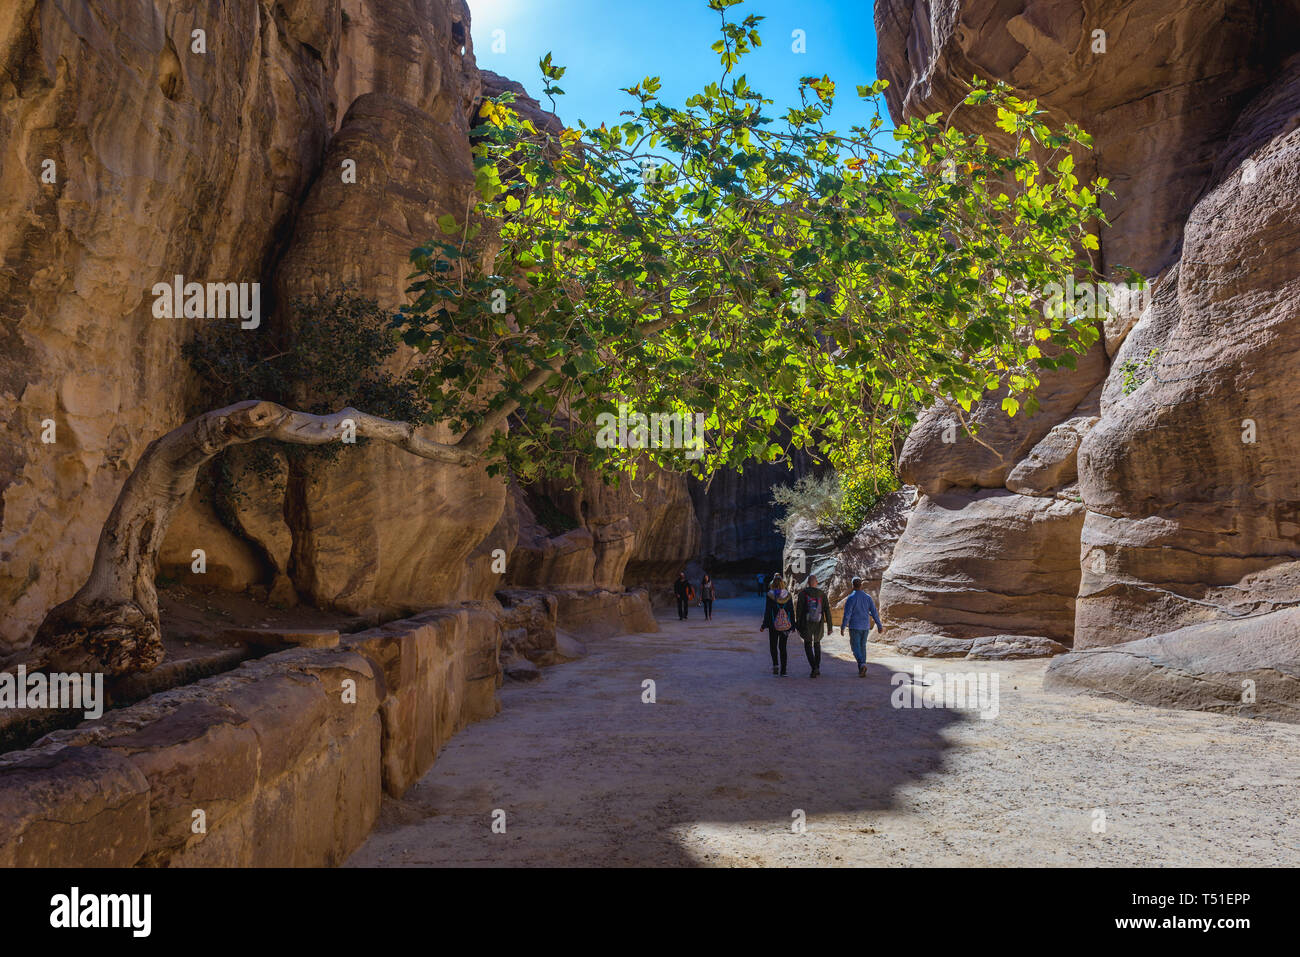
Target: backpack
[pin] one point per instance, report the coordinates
(781, 621)
(814, 609)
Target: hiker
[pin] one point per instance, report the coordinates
(810, 617)
(708, 594)
(859, 610)
(761, 587)
(778, 619)
(685, 595)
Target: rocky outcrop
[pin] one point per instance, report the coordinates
(219, 163)
(738, 538)
(810, 551)
(1183, 525)
(637, 533)
(986, 562)
(280, 763)
(1191, 478)
(1159, 88)
(1249, 668)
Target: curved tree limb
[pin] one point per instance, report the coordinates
(111, 624)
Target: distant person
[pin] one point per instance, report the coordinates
(685, 593)
(859, 610)
(778, 619)
(762, 588)
(811, 613)
(708, 594)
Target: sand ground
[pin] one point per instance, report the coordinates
(720, 768)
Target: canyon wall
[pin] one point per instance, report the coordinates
(135, 148)
(1148, 515)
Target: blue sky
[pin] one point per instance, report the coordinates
(608, 44)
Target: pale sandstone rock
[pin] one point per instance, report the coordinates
(934, 646)
(939, 454)
(1159, 101)
(1181, 502)
(1052, 464)
(1185, 522)
(1249, 667)
(1011, 647)
(986, 562)
(184, 164)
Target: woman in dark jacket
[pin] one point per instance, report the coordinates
(778, 619)
(707, 595)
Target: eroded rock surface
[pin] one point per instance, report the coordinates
(1183, 444)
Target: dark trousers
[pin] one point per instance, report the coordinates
(708, 607)
(776, 643)
(812, 647)
(683, 607)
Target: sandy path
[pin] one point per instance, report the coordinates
(588, 774)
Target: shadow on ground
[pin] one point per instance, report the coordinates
(587, 773)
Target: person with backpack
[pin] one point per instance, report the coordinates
(685, 595)
(811, 612)
(778, 620)
(708, 594)
(858, 612)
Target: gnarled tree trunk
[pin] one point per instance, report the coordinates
(111, 624)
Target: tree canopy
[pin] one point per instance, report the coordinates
(713, 257)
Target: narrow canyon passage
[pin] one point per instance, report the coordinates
(717, 769)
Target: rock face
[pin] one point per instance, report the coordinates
(1159, 91)
(126, 159)
(1183, 532)
(738, 536)
(866, 555)
(236, 165)
(639, 533)
(164, 161)
(986, 562)
(1193, 479)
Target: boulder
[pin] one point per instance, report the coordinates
(1248, 667)
(985, 562)
(1011, 647)
(1052, 464)
(934, 646)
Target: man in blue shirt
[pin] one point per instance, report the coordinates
(859, 610)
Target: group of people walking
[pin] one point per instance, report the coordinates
(808, 613)
(685, 593)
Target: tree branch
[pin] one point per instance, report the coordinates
(111, 623)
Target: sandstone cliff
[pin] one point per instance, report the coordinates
(306, 145)
(1156, 493)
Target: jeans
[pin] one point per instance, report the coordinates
(708, 607)
(776, 643)
(812, 647)
(858, 642)
(683, 607)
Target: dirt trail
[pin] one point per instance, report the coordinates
(714, 771)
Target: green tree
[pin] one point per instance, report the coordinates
(706, 258)
(714, 257)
